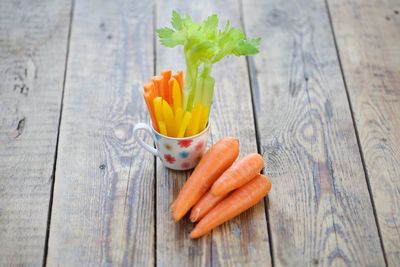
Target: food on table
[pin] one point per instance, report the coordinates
(205, 204)
(164, 100)
(163, 127)
(239, 186)
(166, 74)
(238, 174)
(149, 95)
(204, 45)
(180, 107)
(168, 116)
(214, 162)
(193, 126)
(185, 122)
(238, 201)
(234, 177)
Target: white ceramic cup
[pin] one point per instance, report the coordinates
(176, 153)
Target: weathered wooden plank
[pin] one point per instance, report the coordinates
(320, 210)
(244, 240)
(33, 45)
(368, 40)
(103, 209)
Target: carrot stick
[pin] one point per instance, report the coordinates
(163, 128)
(179, 78)
(238, 174)
(158, 85)
(158, 112)
(214, 162)
(148, 94)
(205, 204)
(168, 118)
(185, 122)
(149, 89)
(176, 93)
(204, 118)
(166, 74)
(178, 116)
(237, 202)
(193, 127)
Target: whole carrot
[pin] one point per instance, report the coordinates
(205, 204)
(237, 202)
(238, 174)
(214, 162)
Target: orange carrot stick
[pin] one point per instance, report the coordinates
(176, 93)
(193, 127)
(168, 116)
(149, 94)
(205, 204)
(166, 74)
(234, 204)
(179, 77)
(158, 85)
(214, 162)
(238, 174)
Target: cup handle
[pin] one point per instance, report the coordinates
(147, 129)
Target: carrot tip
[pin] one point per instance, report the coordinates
(267, 178)
(194, 215)
(194, 235)
(233, 139)
(176, 216)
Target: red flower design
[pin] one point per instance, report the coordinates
(169, 158)
(185, 165)
(167, 146)
(185, 142)
(199, 145)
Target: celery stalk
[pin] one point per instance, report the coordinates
(204, 45)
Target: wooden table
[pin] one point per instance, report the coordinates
(321, 103)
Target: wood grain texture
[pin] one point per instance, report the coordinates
(33, 45)
(103, 209)
(368, 40)
(320, 210)
(244, 240)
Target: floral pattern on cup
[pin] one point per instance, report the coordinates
(175, 153)
(169, 158)
(184, 154)
(167, 146)
(199, 146)
(185, 165)
(185, 142)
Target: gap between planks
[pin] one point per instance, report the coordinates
(257, 133)
(46, 245)
(360, 149)
(154, 12)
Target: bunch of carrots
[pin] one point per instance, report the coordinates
(219, 189)
(164, 100)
